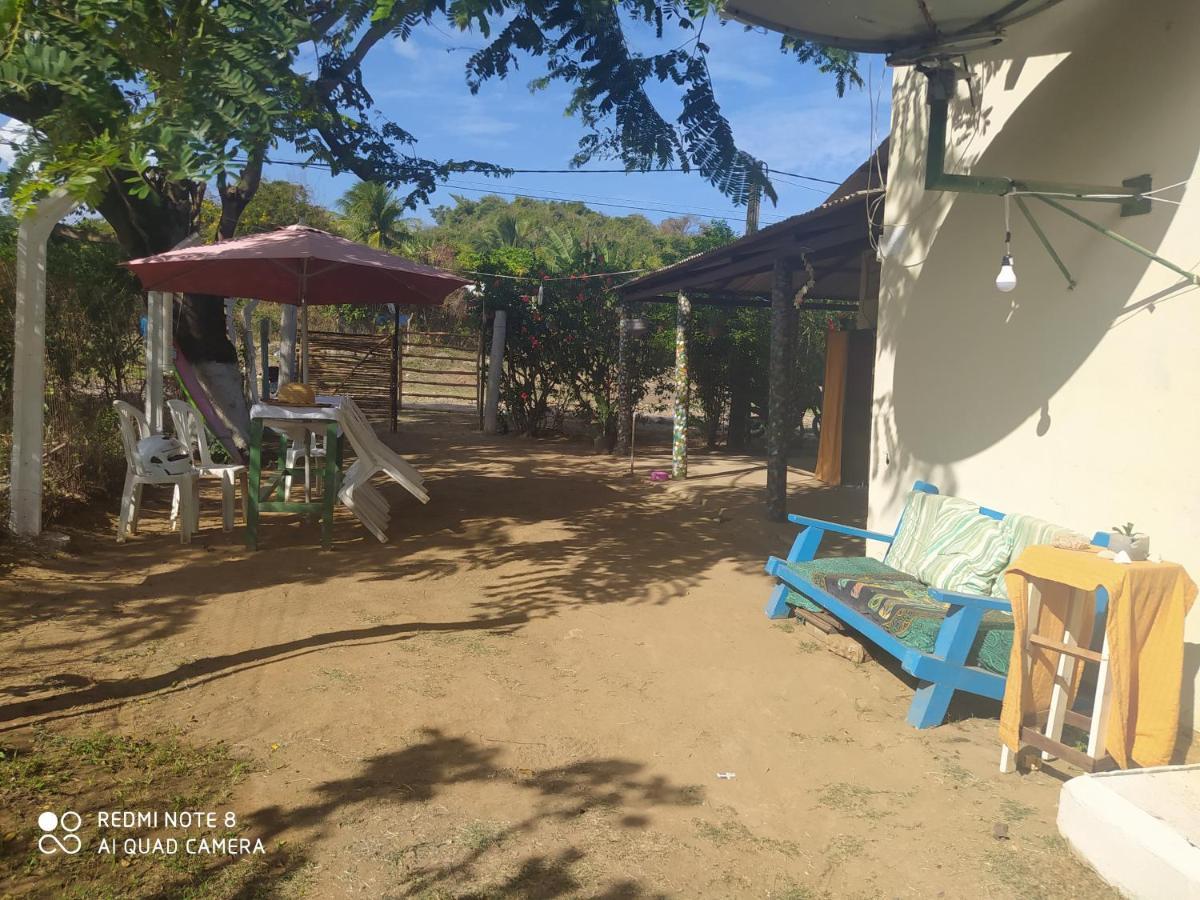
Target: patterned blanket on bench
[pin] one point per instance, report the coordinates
(901, 605)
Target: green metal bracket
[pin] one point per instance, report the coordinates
(1037, 229)
(941, 88)
(1131, 194)
(1191, 277)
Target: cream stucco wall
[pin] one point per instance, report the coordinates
(1079, 406)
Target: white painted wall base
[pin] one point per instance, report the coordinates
(1139, 829)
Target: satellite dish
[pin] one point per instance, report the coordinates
(906, 30)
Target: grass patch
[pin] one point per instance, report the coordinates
(480, 836)
(723, 833)
(96, 771)
(1012, 812)
(854, 799)
(841, 848)
(1050, 873)
(800, 892)
(731, 831)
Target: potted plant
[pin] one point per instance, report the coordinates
(1125, 537)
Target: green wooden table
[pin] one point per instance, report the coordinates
(311, 420)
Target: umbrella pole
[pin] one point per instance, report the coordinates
(304, 343)
(304, 321)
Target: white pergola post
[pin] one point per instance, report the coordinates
(495, 364)
(29, 362)
(156, 328)
(160, 346)
(287, 345)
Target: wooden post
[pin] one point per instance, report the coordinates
(248, 348)
(679, 454)
(739, 376)
(304, 360)
(777, 407)
(480, 398)
(624, 394)
(264, 340)
(29, 363)
(395, 366)
(491, 404)
(400, 364)
(287, 345)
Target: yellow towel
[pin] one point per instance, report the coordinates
(1148, 603)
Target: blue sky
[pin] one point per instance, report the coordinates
(785, 113)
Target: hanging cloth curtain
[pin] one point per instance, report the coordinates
(829, 451)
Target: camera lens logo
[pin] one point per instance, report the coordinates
(50, 843)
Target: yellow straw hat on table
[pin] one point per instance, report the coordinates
(297, 394)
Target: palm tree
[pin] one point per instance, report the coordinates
(509, 229)
(372, 214)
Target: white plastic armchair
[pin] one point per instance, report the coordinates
(190, 430)
(134, 427)
(357, 492)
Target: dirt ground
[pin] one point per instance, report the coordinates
(529, 692)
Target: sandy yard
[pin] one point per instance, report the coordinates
(528, 692)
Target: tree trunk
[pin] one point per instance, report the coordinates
(738, 437)
(202, 335)
(777, 407)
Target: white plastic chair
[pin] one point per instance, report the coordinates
(134, 428)
(311, 449)
(190, 430)
(357, 492)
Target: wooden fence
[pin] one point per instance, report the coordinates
(365, 366)
(440, 368)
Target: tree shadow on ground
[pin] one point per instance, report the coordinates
(548, 532)
(437, 762)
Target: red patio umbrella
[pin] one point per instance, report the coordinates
(297, 265)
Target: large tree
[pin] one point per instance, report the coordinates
(138, 106)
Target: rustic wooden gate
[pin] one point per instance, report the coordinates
(365, 366)
(440, 369)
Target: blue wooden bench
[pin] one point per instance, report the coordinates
(941, 671)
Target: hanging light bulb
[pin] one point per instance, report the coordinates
(1007, 279)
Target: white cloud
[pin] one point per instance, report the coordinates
(409, 49)
(480, 126)
(726, 71)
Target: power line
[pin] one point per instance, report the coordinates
(673, 212)
(592, 199)
(805, 177)
(588, 197)
(320, 165)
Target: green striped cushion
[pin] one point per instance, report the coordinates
(917, 522)
(965, 552)
(1026, 531)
